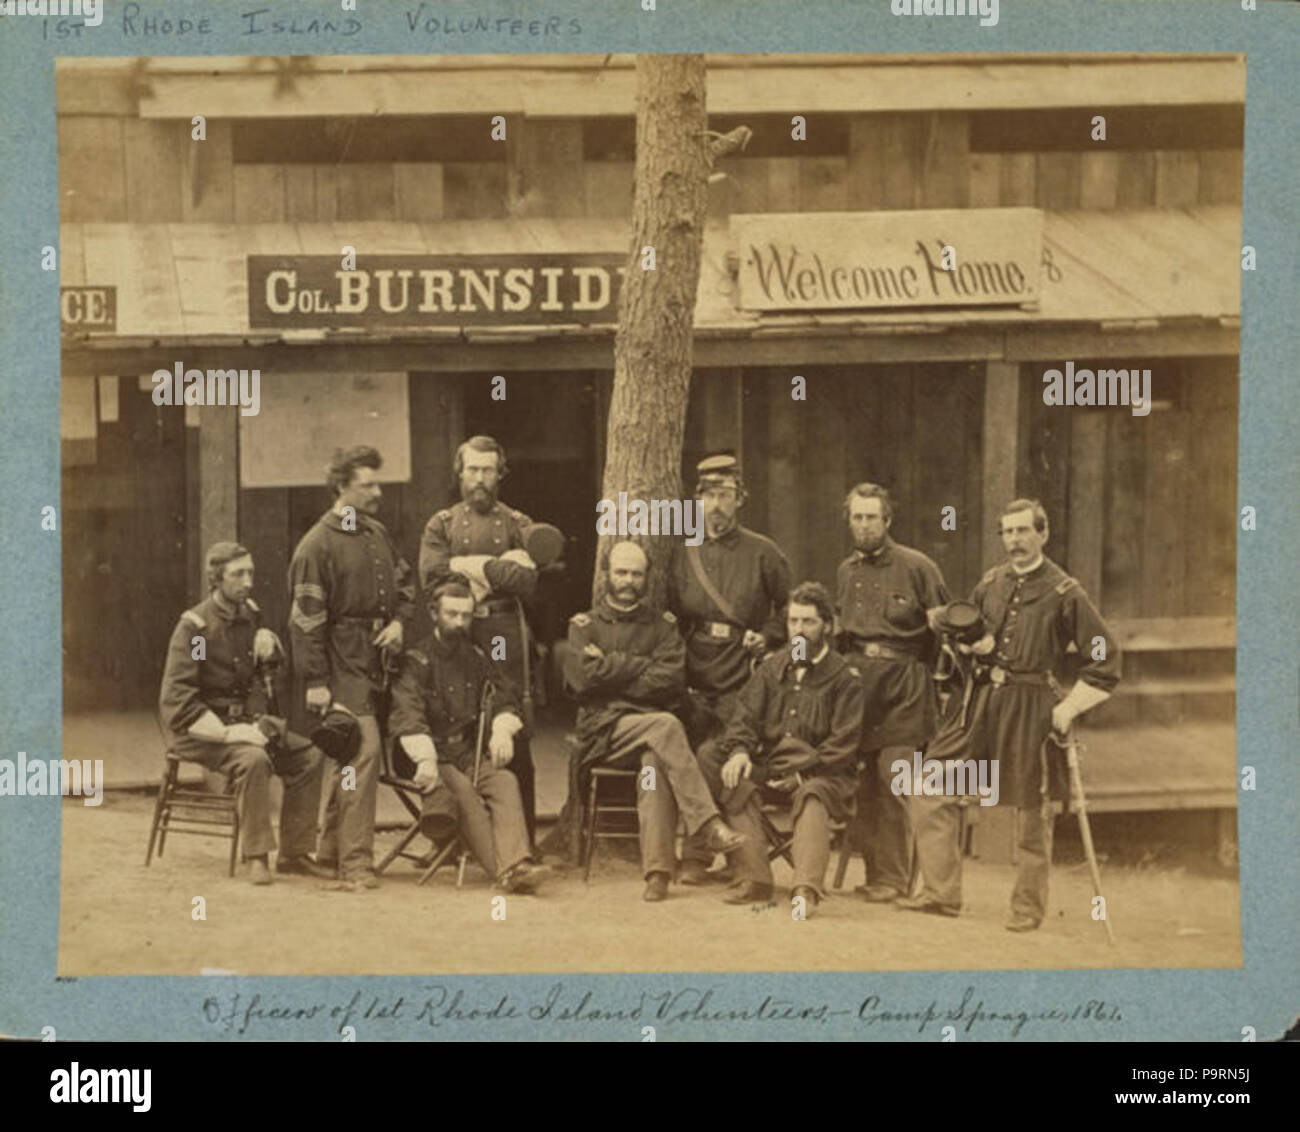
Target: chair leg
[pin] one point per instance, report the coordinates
(165, 807)
(846, 855)
(439, 860)
(159, 802)
(591, 816)
(234, 844)
(396, 852)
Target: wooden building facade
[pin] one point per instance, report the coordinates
(944, 406)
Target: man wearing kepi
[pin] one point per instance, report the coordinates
(482, 539)
(213, 704)
(352, 593)
(729, 596)
(885, 590)
(1033, 611)
(626, 666)
(795, 732)
(436, 703)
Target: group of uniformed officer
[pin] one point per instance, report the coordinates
(743, 691)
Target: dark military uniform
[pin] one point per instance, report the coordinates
(753, 576)
(625, 701)
(345, 586)
(818, 704)
(883, 597)
(437, 694)
(226, 683)
(1033, 618)
(461, 531)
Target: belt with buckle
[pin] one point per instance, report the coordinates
(997, 676)
(877, 651)
(719, 630)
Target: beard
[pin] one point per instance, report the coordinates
(479, 497)
(870, 542)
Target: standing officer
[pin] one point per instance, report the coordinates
(212, 704)
(351, 593)
(795, 731)
(435, 714)
(625, 664)
(483, 539)
(1033, 610)
(885, 591)
(729, 596)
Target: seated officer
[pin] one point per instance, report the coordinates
(213, 705)
(795, 732)
(626, 665)
(434, 719)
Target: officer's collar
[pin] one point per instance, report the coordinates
(227, 610)
(816, 661)
(334, 521)
(881, 556)
(729, 539)
(611, 612)
(468, 506)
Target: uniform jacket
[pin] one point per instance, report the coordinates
(437, 694)
(1033, 618)
(883, 597)
(824, 710)
(225, 681)
(341, 583)
(643, 669)
(749, 570)
(460, 530)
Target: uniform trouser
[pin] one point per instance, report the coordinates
(251, 768)
(811, 849)
(678, 784)
(348, 827)
(742, 806)
(936, 824)
(1034, 846)
(884, 831)
(491, 817)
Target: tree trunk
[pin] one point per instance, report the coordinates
(653, 345)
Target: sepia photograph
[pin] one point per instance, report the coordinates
(716, 513)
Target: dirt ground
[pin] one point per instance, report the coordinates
(117, 917)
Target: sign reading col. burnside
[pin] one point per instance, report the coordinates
(865, 260)
(433, 290)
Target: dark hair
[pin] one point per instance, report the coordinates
(815, 594)
(214, 562)
(346, 461)
(870, 491)
(481, 444)
(452, 585)
(1040, 515)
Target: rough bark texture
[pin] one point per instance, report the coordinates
(652, 348)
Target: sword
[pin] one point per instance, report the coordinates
(1072, 748)
(484, 709)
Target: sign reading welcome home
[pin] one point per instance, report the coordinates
(425, 290)
(862, 260)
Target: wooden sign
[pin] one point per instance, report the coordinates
(874, 260)
(88, 308)
(424, 290)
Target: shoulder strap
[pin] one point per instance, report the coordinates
(697, 568)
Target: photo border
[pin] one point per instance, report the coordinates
(1148, 1004)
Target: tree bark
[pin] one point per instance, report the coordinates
(653, 344)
